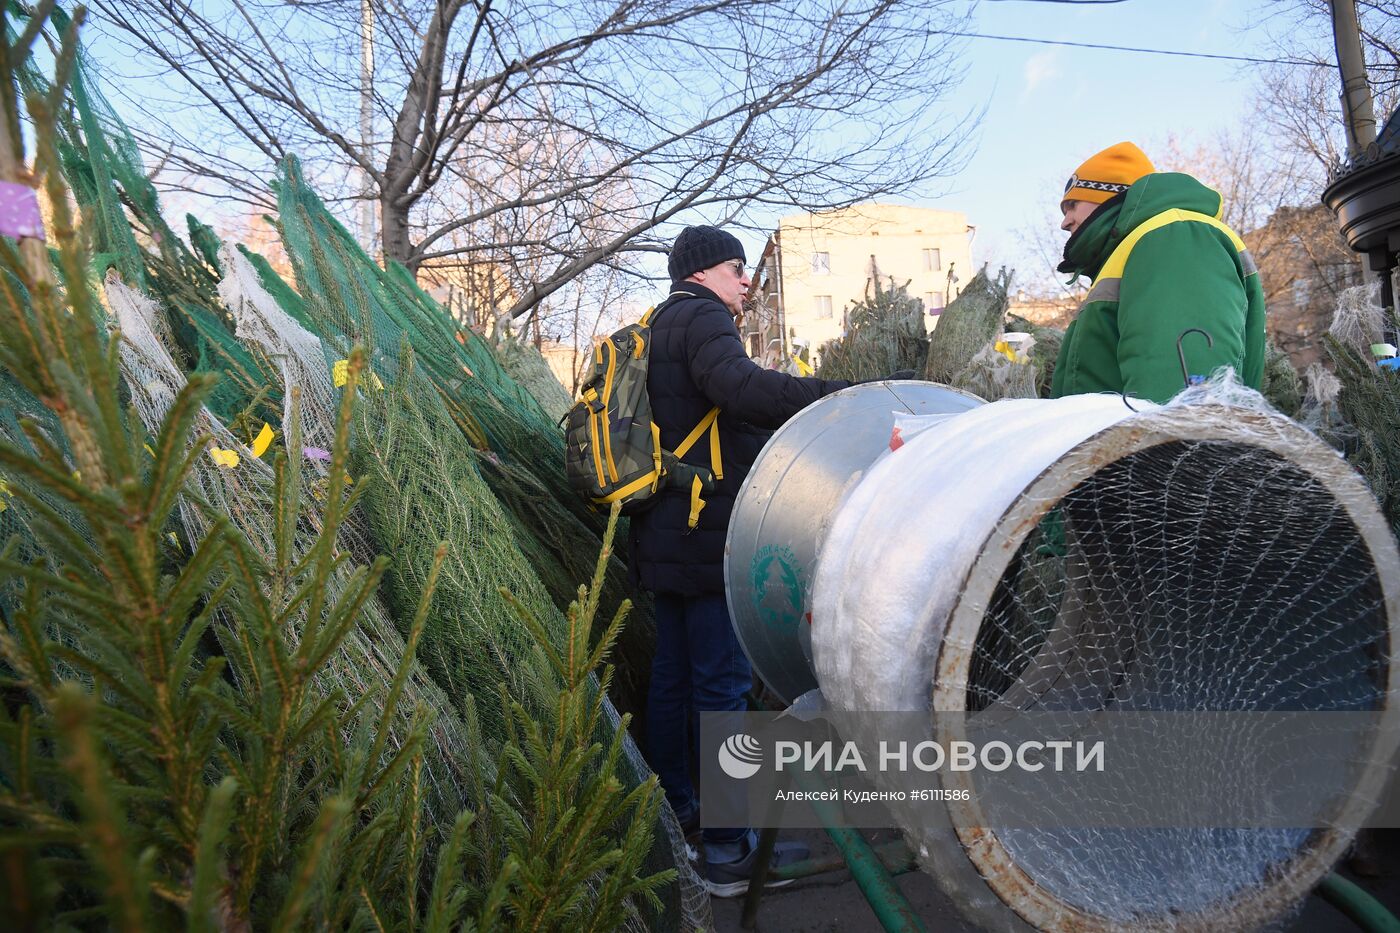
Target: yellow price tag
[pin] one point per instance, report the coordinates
(263, 440)
(340, 373)
(1010, 352)
(224, 458)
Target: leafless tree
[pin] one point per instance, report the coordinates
(548, 136)
(1299, 107)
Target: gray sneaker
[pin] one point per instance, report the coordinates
(731, 879)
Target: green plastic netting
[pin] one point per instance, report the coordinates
(453, 447)
(122, 221)
(527, 366)
(516, 447)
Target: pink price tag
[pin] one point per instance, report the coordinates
(19, 211)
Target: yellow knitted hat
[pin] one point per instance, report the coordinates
(1107, 173)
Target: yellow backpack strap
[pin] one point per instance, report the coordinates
(716, 461)
(696, 503)
(656, 470)
(704, 425)
(651, 312)
(708, 423)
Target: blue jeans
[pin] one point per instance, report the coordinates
(698, 668)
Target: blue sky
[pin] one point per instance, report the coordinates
(1050, 107)
(1047, 108)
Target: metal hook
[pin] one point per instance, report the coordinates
(1181, 354)
(1124, 396)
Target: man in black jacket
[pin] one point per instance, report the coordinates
(697, 362)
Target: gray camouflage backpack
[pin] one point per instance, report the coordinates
(612, 448)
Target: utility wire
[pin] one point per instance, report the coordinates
(1129, 48)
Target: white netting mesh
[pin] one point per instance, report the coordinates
(1320, 411)
(263, 326)
(992, 375)
(370, 654)
(1360, 320)
(1077, 555)
(1321, 388)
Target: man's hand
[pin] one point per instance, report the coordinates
(679, 474)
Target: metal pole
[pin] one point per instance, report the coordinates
(1356, 92)
(894, 855)
(868, 870)
(894, 912)
(1363, 909)
(782, 307)
(367, 123)
(761, 870)
(871, 871)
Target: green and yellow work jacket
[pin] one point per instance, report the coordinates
(1162, 263)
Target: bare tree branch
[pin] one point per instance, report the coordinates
(536, 139)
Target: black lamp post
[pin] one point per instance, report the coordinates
(1365, 196)
(1365, 192)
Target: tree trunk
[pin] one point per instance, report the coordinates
(395, 233)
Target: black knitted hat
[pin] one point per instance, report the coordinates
(700, 248)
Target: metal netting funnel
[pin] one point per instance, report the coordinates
(782, 513)
(1078, 556)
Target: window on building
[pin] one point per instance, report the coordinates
(823, 306)
(933, 260)
(821, 263)
(933, 302)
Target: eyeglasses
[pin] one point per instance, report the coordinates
(737, 265)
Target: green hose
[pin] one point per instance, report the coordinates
(894, 912)
(1363, 909)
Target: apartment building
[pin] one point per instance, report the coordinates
(815, 266)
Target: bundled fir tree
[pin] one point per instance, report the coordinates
(971, 323)
(1280, 383)
(1369, 402)
(1367, 395)
(1045, 350)
(885, 333)
(172, 753)
(965, 350)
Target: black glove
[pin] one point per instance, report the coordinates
(679, 474)
(901, 374)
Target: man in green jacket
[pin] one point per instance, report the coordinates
(1162, 264)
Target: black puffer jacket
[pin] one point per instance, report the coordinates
(697, 362)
